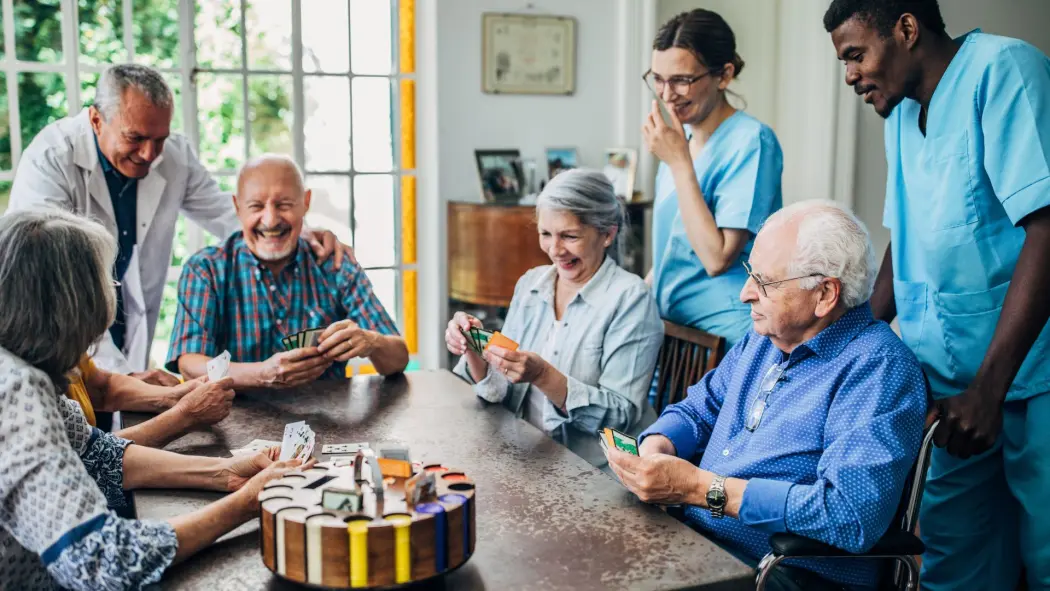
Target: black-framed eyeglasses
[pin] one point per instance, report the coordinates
(761, 401)
(762, 284)
(679, 84)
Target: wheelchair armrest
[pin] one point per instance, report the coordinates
(894, 543)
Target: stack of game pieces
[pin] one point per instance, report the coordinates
(298, 442)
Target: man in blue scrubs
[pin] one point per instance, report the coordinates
(967, 273)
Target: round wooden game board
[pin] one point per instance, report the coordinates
(386, 543)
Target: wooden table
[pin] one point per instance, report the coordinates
(546, 518)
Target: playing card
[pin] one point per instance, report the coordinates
(219, 366)
(290, 440)
(287, 343)
(256, 446)
(313, 337)
(622, 441)
(308, 447)
(501, 341)
(481, 338)
(343, 448)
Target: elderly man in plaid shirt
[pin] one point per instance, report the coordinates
(262, 285)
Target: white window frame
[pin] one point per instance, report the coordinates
(187, 70)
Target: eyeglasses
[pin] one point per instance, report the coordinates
(762, 284)
(679, 84)
(761, 401)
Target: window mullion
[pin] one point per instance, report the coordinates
(71, 55)
(190, 122)
(129, 30)
(353, 130)
(12, 82)
(246, 107)
(298, 93)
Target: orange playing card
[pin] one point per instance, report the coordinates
(501, 341)
(396, 468)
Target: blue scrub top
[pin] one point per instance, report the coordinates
(953, 201)
(739, 172)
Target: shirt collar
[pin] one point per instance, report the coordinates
(832, 340)
(591, 292)
(107, 166)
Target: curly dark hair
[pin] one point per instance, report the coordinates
(884, 14)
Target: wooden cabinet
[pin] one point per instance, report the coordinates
(490, 247)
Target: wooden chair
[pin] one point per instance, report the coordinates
(686, 355)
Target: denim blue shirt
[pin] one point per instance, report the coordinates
(833, 450)
(123, 192)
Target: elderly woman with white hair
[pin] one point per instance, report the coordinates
(61, 478)
(588, 331)
(811, 422)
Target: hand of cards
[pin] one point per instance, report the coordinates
(298, 442)
(310, 337)
(219, 366)
(479, 339)
(621, 441)
(256, 446)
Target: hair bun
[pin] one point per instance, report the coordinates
(738, 64)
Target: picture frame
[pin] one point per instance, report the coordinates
(528, 54)
(559, 159)
(620, 166)
(499, 175)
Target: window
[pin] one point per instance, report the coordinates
(330, 82)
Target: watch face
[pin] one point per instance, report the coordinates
(716, 498)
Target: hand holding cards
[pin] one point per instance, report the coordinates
(621, 441)
(298, 442)
(479, 339)
(310, 337)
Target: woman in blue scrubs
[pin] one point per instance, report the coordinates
(718, 180)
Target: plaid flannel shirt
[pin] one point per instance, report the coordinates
(229, 300)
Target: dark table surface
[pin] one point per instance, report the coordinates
(546, 518)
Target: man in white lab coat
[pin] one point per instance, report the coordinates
(118, 162)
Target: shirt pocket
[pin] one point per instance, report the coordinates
(968, 322)
(952, 208)
(587, 363)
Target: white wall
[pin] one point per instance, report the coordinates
(469, 119)
(1024, 19)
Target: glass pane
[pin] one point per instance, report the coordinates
(376, 236)
(5, 134)
(101, 31)
(220, 115)
(2, 56)
(370, 36)
(175, 83)
(327, 127)
(5, 195)
(326, 36)
(330, 205)
(384, 284)
(180, 248)
(155, 29)
(270, 101)
(88, 82)
(41, 100)
(373, 150)
(217, 31)
(269, 34)
(38, 30)
(165, 323)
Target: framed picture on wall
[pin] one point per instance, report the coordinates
(620, 167)
(528, 54)
(559, 159)
(500, 174)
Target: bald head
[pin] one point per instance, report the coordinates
(271, 202)
(274, 168)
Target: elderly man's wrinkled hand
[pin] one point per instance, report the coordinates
(326, 244)
(294, 368)
(345, 340)
(658, 478)
(156, 377)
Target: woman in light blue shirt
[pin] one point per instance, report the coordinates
(588, 331)
(718, 180)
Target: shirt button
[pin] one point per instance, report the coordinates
(278, 322)
(273, 288)
(125, 232)
(725, 452)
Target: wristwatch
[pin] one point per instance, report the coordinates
(716, 496)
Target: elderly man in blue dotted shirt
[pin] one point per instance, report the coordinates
(810, 424)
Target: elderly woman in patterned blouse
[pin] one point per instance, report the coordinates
(589, 331)
(61, 478)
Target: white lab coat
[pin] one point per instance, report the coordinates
(61, 168)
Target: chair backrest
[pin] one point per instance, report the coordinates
(907, 517)
(686, 355)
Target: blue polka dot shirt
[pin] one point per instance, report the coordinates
(832, 450)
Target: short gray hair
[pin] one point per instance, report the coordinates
(56, 287)
(588, 195)
(831, 242)
(116, 79)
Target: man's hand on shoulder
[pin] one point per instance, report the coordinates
(325, 244)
